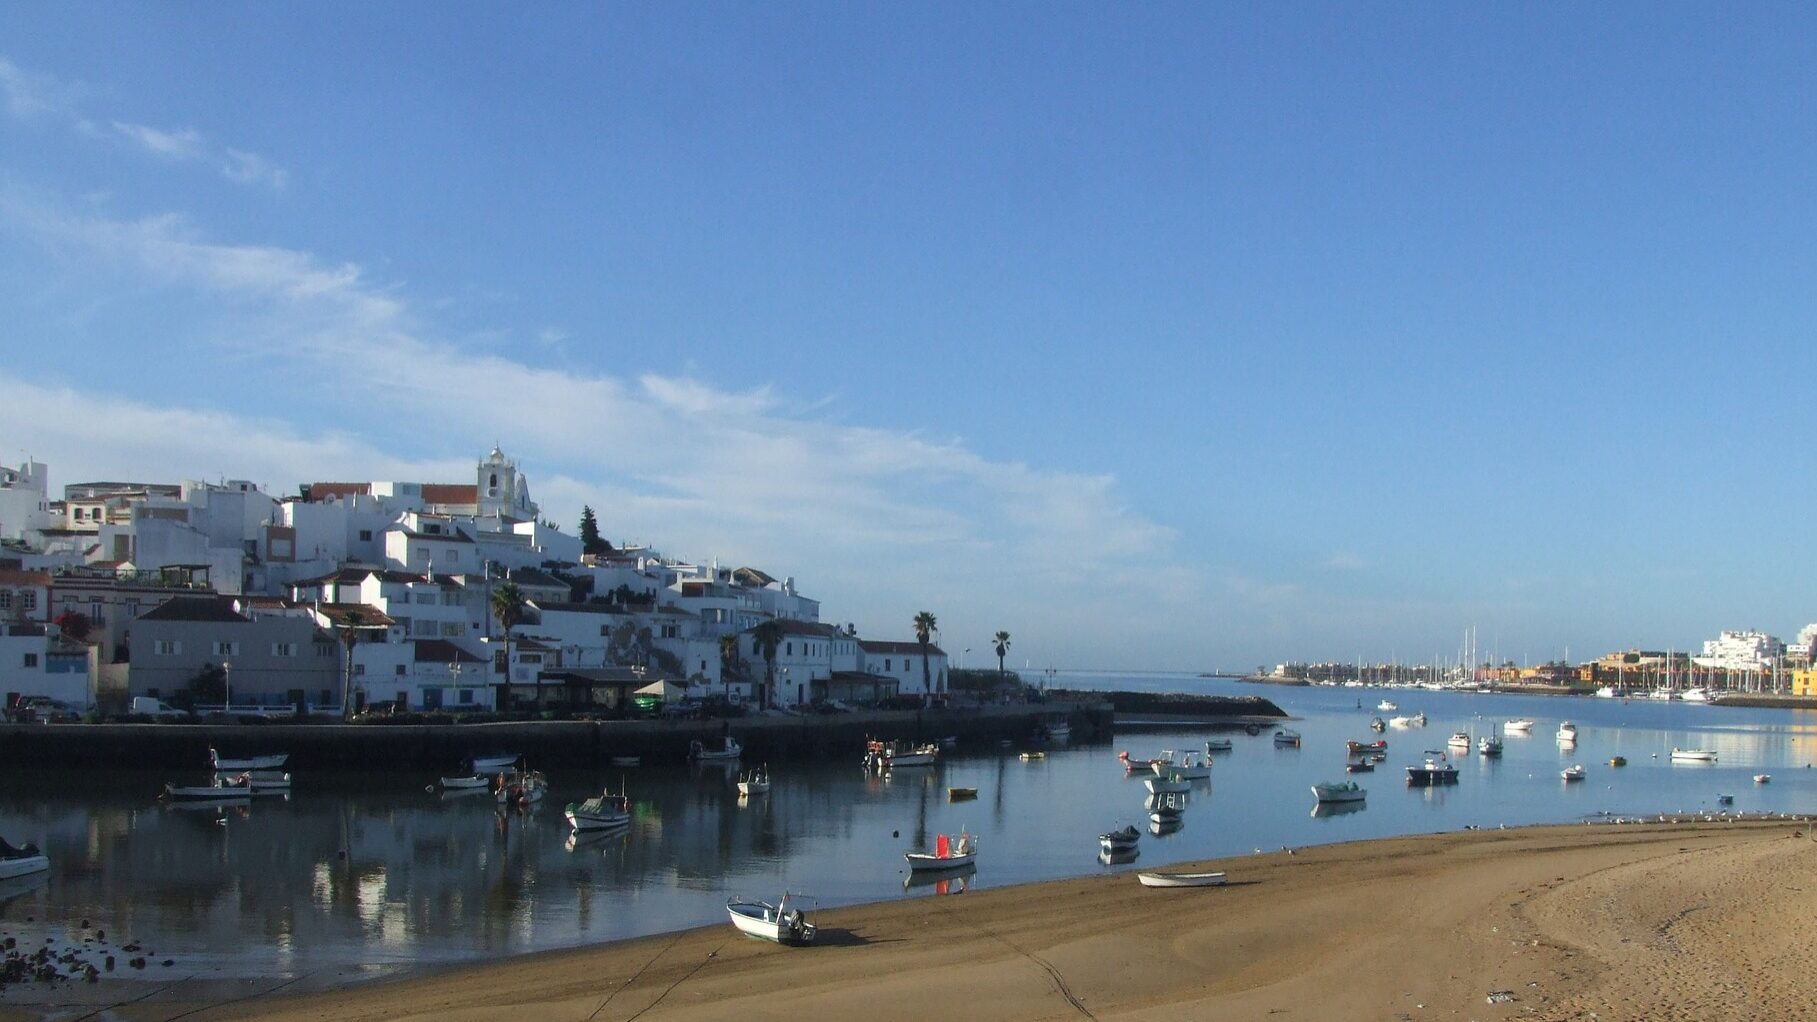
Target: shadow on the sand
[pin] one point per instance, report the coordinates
(846, 938)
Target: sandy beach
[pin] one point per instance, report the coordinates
(1687, 921)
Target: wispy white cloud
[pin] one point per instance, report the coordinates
(879, 522)
(31, 96)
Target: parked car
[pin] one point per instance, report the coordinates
(158, 708)
(45, 710)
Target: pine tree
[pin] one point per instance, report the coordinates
(590, 540)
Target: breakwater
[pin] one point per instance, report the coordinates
(1232, 709)
(547, 744)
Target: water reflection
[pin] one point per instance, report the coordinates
(950, 882)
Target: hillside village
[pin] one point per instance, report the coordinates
(405, 595)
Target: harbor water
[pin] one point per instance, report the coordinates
(379, 874)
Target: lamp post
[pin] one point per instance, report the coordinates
(226, 687)
(962, 654)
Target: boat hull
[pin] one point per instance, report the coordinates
(1420, 777)
(23, 865)
(247, 762)
(762, 921)
(922, 862)
(1328, 796)
(1181, 879)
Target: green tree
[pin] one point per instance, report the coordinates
(728, 661)
(767, 638)
(925, 627)
(348, 630)
(1001, 642)
(590, 540)
(508, 607)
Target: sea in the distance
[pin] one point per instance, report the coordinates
(377, 873)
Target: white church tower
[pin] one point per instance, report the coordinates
(503, 489)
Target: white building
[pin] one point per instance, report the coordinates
(25, 504)
(1741, 651)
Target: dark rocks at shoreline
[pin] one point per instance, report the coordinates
(1183, 704)
(82, 959)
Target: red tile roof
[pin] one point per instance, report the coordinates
(319, 492)
(450, 493)
(12, 577)
(911, 648)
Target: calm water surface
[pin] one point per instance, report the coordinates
(379, 873)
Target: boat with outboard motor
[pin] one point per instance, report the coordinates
(779, 923)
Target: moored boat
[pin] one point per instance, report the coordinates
(949, 853)
(1618, 761)
(780, 922)
(1489, 745)
(1287, 736)
(605, 811)
(21, 860)
(523, 789)
(1567, 733)
(1520, 726)
(961, 794)
(1180, 879)
(889, 755)
(1119, 840)
(1387, 706)
(1165, 813)
(1693, 755)
(1338, 791)
(1191, 768)
(492, 763)
(1762, 778)
(1218, 745)
(235, 765)
(1134, 765)
(1574, 772)
(1356, 748)
(1459, 740)
(1377, 725)
(755, 782)
(468, 782)
(1172, 784)
(233, 792)
(1029, 757)
(1436, 770)
(726, 748)
(263, 782)
(1361, 766)
(1695, 695)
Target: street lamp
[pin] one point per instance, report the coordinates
(962, 654)
(226, 686)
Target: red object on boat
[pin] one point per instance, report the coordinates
(942, 847)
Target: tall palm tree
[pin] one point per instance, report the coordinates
(767, 637)
(1001, 641)
(348, 630)
(508, 607)
(925, 626)
(728, 658)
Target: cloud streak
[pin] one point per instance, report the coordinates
(31, 96)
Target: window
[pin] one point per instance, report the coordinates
(226, 649)
(788, 648)
(426, 627)
(432, 529)
(400, 670)
(365, 535)
(28, 599)
(324, 649)
(454, 556)
(424, 597)
(466, 696)
(283, 649)
(31, 659)
(167, 647)
(6, 599)
(605, 629)
(453, 629)
(358, 670)
(886, 663)
(422, 553)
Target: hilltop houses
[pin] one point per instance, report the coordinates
(220, 593)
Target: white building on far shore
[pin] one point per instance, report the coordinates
(1741, 651)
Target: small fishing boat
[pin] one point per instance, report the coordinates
(1356, 748)
(1459, 740)
(726, 748)
(522, 789)
(1377, 725)
(779, 922)
(1489, 745)
(1164, 813)
(1521, 726)
(1693, 756)
(755, 782)
(1191, 768)
(1218, 745)
(1028, 757)
(1361, 766)
(21, 860)
(228, 766)
(1338, 791)
(468, 782)
(1181, 879)
(1435, 771)
(1618, 761)
(1058, 731)
(234, 792)
(1172, 784)
(1567, 733)
(1574, 772)
(1762, 778)
(1387, 706)
(1417, 720)
(893, 754)
(949, 853)
(263, 782)
(493, 762)
(605, 811)
(1134, 765)
(1287, 737)
(1400, 721)
(961, 794)
(1119, 840)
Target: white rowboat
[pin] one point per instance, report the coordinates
(225, 766)
(778, 923)
(949, 853)
(1181, 879)
(1693, 756)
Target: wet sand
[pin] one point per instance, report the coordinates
(1704, 921)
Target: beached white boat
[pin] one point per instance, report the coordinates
(1218, 745)
(1119, 840)
(1762, 778)
(235, 792)
(493, 763)
(523, 789)
(780, 922)
(226, 766)
(1286, 736)
(1489, 745)
(726, 748)
(1387, 706)
(1567, 733)
(468, 782)
(603, 812)
(1181, 879)
(22, 860)
(755, 782)
(1521, 726)
(1693, 756)
(1459, 740)
(949, 853)
(1574, 772)
(1436, 770)
(1338, 791)
(1172, 784)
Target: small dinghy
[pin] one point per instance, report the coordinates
(1288, 737)
(1762, 778)
(949, 853)
(493, 763)
(1133, 765)
(1618, 761)
(603, 812)
(755, 782)
(728, 748)
(961, 794)
(1356, 748)
(1360, 767)
(780, 923)
(1574, 772)
(1218, 745)
(22, 860)
(469, 782)
(1119, 840)
(235, 792)
(229, 766)
(1181, 879)
(1338, 791)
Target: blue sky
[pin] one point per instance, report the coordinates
(1163, 337)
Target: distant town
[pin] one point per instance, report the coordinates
(168, 598)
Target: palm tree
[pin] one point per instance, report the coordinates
(350, 637)
(508, 607)
(728, 658)
(1001, 641)
(925, 626)
(767, 637)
